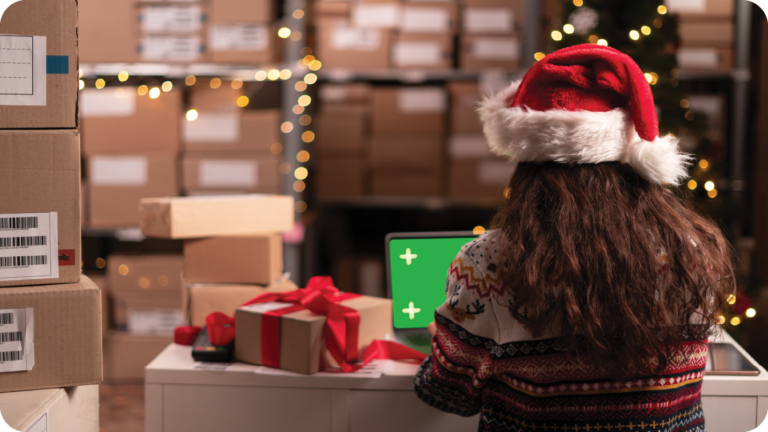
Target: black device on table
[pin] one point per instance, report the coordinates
(204, 351)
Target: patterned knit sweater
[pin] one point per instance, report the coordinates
(484, 361)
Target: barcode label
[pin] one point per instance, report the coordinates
(20, 223)
(6, 242)
(6, 356)
(10, 337)
(6, 318)
(23, 261)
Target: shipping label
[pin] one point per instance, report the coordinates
(468, 146)
(228, 174)
(425, 53)
(182, 48)
(422, 100)
(119, 171)
(29, 245)
(683, 6)
(385, 15)
(426, 20)
(496, 49)
(22, 70)
(488, 20)
(212, 127)
(698, 57)
(155, 321)
(345, 38)
(239, 37)
(17, 340)
(105, 103)
(156, 19)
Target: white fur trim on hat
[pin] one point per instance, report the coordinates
(583, 137)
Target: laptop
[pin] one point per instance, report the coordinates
(417, 270)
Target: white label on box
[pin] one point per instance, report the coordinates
(711, 105)
(239, 37)
(385, 15)
(17, 340)
(494, 173)
(156, 19)
(496, 49)
(488, 20)
(212, 127)
(333, 93)
(426, 20)
(157, 321)
(183, 48)
(698, 57)
(422, 100)
(417, 53)
(682, 6)
(237, 174)
(41, 425)
(22, 70)
(119, 171)
(107, 103)
(266, 307)
(344, 38)
(468, 146)
(29, 246)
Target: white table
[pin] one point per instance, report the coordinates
(180, 398)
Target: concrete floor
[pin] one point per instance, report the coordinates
(121, 408)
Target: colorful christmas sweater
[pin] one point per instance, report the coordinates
(484, 361)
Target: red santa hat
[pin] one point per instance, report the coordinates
(584, 104)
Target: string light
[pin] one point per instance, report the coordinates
(260, 75)
(704, 165)
(634, 35)
(143, 283)
(215, 83)
(539, 56)
(167, 86)
(285, 74)
(593, 39)
(750, 313)
(735, 321)
(645, 30)
(301, 173)
(657, 23)
(242, 101)
(237, 83)
(101, 263)
(284, 32)
(305, 120)
(286, 127)
(315, 65)
(284, 168)
(308, 136)
(123, 269)
(731, 299)
(298, 109)
(305, 100)
(662, 9)
(309, 58)
(296, 36)
(299, 186)
(692, 185)
(301, 206)
(81, 84)
(142, 90)
(712, 193)
(478, 230)
(556, 35)
(310, 78)
(79, 73)
(721, 320)
(689, 116)
(684, 103)
(190, 80)
(648, 77)
(711, 186)
(300, 86)
(273, 75)
(302, 156)
(568, 28)
(298, 14)
(654, 78)
(578, 3)
(100, 83)
(602, 42)
(276, 148)
(192, 115)
(162, 280)
(123, 76)
(154, 93)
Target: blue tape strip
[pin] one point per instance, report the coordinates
(57, 64)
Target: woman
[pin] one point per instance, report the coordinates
(589, 307)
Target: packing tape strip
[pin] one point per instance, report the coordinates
(57, 64)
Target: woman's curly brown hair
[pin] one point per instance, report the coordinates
(633, 268)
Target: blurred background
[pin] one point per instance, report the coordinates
(364, 111)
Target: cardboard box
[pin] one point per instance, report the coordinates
(301, 333)
(106, 29)
(196, 217)
(238, 11)
(66, 348)
(700, 9)
(147, 312)
(429, 17)
(340, 131)
(704, 58)
(332, 8)
(204, 299)
(469, 146)
(491, 16)
(489, 52)
(406, 183)
(73, 409)
(377, 14)
(243, 43)
(716, 33)
(116, 184)
(423, 51)
(125, 355)
(254, 259)
(339, 176)
(343, 46)
(47, 43)
(347, 96)
(145, 272)
(203, 97)
(118, 120)
(100, 280)
(40, 177)
(253, 172)
(172, 48)
(465, 99)
(232, 131)
(409, 110)
(407, 151)
(472, 178)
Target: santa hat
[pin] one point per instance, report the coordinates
(584, 104)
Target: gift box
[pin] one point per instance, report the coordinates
(200, 300)
(309, 330)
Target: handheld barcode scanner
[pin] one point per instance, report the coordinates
(204, 351)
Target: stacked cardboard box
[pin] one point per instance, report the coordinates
(706, 31)
(425, 38)
(241, 32)
(170, 31)
(489, 36)
(228, 149)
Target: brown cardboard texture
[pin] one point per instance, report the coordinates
(57, 21)
(479, 52)
(67, 335)
(73, 409)
(465, 98)
(347, 96)
(106, 31)
(339, 176)
(704, 57)
(118, 182)
(342, 46)
(706, 9)
(301, 333)
(406, 182)
(476, 12)
(240, 11)
(40, 173)
(419, 51)
(468, 178)
(253, 172)
(204, 299)
(256, 259)
(256, 44)
(409, 110)
(125, 301)
(101, 281)
(430, 17)
(145, 272)
(204, 97)
(239, 131)
(341, 131)
(407, 151)
(196, 217)
(125, 355)
(716, 33)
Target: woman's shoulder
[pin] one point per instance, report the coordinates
(482, 254)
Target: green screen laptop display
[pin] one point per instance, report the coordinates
(418, 272)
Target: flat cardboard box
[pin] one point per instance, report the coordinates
(700, 9)
(409, 110)
(407, 151)
(339, 176)
(203, 299)
(423, 51)
(232, 131)
(491, 16)
(465, 99)
(118, 120)
(699, 57)
(429, 17)
(147, 312)
(152, 272)
(126, 355)
(486, 178)
(106, 29)
(252, 172)
(341, 131)
(116, 184)
(301, 333)
(40, 173)
(254, 259)
(66, 321)
(340, 45)
(716, 32)
(73, 409)
(55, 106)
(196, 217)
(489, 52)
(406, 183)
(239, 11)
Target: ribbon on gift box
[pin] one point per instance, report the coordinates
(340, 331)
